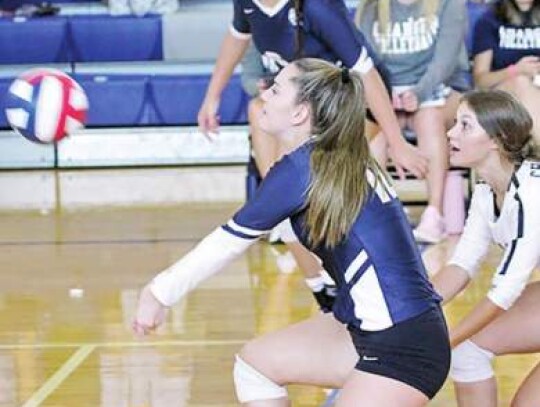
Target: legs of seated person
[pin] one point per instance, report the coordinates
(516, 331)
(428, 124)
(450, 109)
(523, 88)
(319, 351)
(265, 147)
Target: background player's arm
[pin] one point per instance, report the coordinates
(485, 312)
(333, 26)
(520, 259)
(450, 281)
(232, 49)
(404, 155)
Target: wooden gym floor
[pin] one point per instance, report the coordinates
(69, 281)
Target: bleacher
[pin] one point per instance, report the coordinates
(145, 78)
(145, 73)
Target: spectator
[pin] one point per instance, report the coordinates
(419, 41)
(506, 49)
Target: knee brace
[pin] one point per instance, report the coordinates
(252, 385)
(470, 363)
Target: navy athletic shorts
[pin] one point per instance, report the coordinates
(415, 352)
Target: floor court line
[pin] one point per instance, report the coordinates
(97, 242)
(59, 376)
(127, 344)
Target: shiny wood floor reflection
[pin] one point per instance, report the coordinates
(69, 284)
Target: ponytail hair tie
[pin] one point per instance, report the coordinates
(345, 75)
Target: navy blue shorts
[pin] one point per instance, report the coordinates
(415, 352)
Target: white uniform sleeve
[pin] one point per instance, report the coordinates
(476, 237)
(522, 254)
(211, 255)
(278, 197)
(519, 261)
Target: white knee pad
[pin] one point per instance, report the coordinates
(252, 385)
(470, 363)
(286, 232)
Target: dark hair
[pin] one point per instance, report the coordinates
(299, 32)
(509, 13)
(506, 121)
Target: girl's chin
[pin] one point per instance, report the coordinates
(454, 160)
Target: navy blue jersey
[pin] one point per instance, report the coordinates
(328, 33)
(378, 269)
(509, 43)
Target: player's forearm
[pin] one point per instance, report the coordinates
(485, 312)
(211, 255)
(379, 103)
(490, 79)
(231, 52)
(450, 281)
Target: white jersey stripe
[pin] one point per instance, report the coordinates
(355, 265)
(369, 303)
(246, 231)
(382, 192)
(237, 34)
(364, 63)
(389, 188)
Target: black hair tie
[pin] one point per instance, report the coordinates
(345, 75)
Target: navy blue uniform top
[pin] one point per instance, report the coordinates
(509, 43)
(328, 33)
(378, 268)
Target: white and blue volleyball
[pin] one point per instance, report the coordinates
(45, 105)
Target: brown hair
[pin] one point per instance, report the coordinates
(506, 121)
(340, 157)
(509, 13)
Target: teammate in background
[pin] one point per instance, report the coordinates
(506, 48)
(285, 30)
(492, 135)
(387, 331)
(419, 41)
